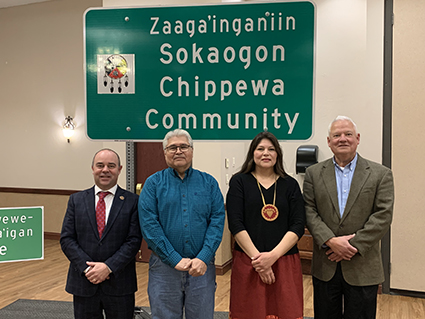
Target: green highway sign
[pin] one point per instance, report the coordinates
(222, 72)
(21, 233)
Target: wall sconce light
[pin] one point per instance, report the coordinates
(68, 128)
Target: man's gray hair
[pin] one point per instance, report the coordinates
(174, 133)
(342, 118)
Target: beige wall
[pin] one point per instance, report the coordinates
(54, 207)
(408, 234)
(42, 82)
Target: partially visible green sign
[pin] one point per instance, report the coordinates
(21, 233)
(222, 72)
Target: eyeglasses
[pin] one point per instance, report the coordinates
(173, 148)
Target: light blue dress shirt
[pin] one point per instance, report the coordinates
(344, 176)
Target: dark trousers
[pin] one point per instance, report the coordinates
(336, 299)
(115, 307)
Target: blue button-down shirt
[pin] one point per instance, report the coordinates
(182, 218)
(344, 176)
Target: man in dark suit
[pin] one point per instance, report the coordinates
(101, 236)
(349, 207)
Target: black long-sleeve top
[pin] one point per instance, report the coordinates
(244, 204)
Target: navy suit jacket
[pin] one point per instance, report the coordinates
(117, 248)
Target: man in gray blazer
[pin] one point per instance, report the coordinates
(349, 207)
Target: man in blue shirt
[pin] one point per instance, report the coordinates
(182, 213)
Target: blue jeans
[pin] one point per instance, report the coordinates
(170, 291)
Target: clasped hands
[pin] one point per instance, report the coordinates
(262, 264)
(97, 273)
(340, 248)
(196, 267)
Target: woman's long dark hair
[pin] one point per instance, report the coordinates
(249, 164)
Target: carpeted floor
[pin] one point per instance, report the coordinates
(48, 309)
(38, 309)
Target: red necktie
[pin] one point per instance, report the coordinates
(101, 212)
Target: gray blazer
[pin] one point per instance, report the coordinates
(368, 215)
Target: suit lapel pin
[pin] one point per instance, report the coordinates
(122, 197)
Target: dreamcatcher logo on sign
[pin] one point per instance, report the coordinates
(115, 74)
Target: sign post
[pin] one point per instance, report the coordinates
(21, 234)
(222, 72)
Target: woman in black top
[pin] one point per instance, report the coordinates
(266, 215)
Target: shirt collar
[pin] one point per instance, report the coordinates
(187, 173)
(112, 190)
(351, 166)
